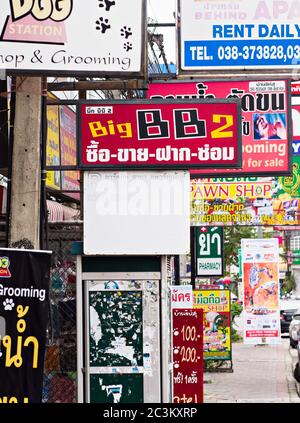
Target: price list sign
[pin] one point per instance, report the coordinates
(187, 356)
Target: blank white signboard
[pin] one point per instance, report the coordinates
(136, 212)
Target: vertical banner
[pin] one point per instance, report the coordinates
(187, 356)
(261, 291)
(53, 149)
(215, 304)
(69, 179)
(4, 119)
(24, 289)
(209, 251)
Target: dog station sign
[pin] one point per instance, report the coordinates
(72, 37)
(147, 134)
(239, 34)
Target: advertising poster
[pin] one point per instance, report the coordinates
(44, 36)
(244, 201)
(53, 147)
(266, 123)
(149, 134)
(70, 180)
(24, 289)
(238, 34)
(260, 276)
(216, 307)
(253, 200)
(187, 356)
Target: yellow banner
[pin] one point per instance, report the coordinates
(216, 321)
(53, 148)
(208, 189)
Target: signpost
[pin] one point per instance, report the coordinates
(209, 251)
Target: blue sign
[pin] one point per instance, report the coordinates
(239, 34)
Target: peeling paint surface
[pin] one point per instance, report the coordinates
(116, 328)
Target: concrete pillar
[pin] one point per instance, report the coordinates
(26, 163)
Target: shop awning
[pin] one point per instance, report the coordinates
(58, 212)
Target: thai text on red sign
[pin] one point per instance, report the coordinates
(149, 134)
(187, 356)
(266, 124)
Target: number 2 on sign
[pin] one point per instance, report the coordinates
(220, 132)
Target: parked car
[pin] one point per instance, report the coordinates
(287, 309)
(297, 366)
(293, 329)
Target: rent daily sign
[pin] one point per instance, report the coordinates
(156, 133)
(239, 34)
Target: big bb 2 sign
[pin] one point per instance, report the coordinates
(156, 133)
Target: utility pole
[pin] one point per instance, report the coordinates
(24, 219)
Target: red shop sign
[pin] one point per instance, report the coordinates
(266, 121)
(187, 356)
(159, 134)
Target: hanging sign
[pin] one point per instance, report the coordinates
(155, 134)
(24, 289)
(73, 37)
(209, 251)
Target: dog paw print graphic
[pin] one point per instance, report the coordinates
(102, 25)
(107, 4)
(8, 304)
(127, 46)
(126, 32)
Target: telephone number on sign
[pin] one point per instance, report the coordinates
(259, 52)
(242, 53)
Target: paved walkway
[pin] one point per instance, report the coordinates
(261, 374)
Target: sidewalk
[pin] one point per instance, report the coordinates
(261, 374)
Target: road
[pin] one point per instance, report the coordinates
(261, 374)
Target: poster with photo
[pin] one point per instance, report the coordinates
(260, 275)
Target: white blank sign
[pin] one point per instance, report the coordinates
(136, 212)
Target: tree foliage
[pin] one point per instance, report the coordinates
(232, 242)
